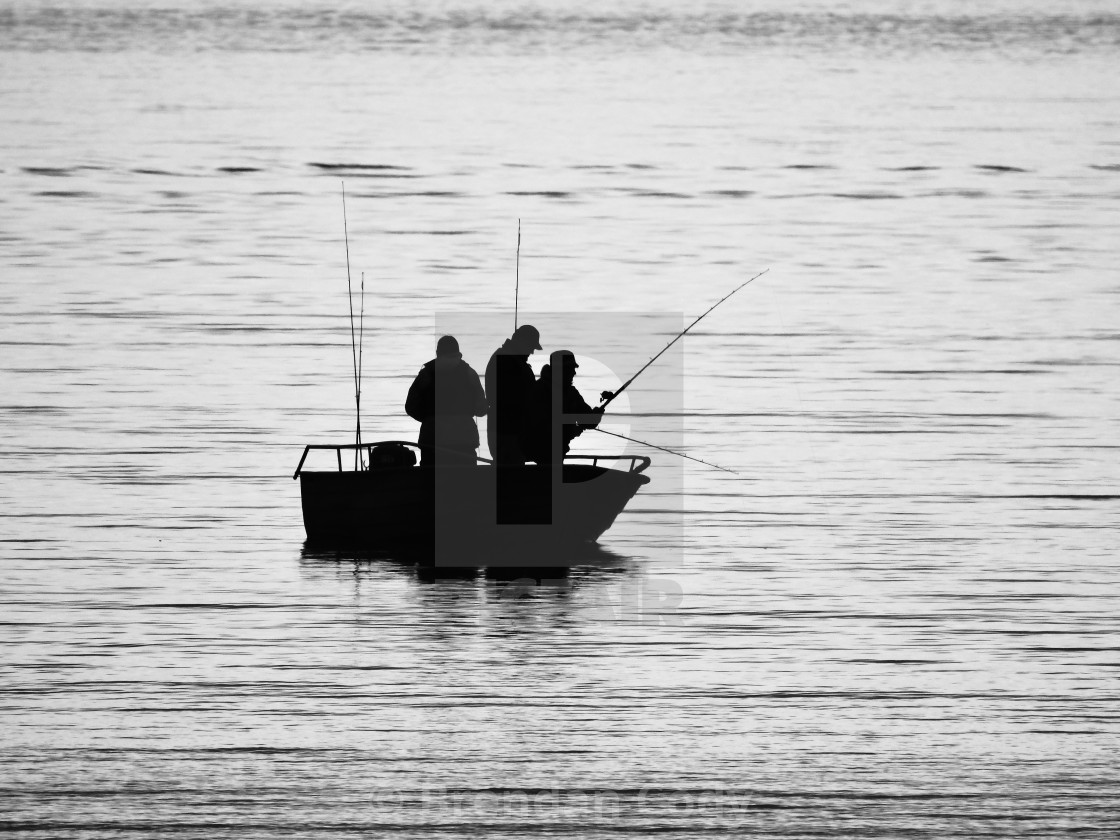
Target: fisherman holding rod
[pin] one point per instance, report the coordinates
(557, 412)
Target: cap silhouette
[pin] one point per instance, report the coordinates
(529, 335)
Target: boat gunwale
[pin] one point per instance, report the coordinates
(638, 463)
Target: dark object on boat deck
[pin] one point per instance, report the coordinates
(450, 514)
(382, 455)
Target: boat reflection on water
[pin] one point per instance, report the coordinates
(449, 605)
(544, 563)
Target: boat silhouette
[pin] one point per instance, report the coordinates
(459, 514)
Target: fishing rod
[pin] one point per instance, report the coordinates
(361, 336)
(607, 401)
(663, 449)
(353, 342)
(517, 276)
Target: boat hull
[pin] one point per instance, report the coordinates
(452, 513)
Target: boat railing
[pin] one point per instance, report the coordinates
(339, 448)
(637, 463)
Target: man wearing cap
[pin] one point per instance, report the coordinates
(509, 384)
(445, 397)
(558, 413)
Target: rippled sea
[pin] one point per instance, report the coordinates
(898, 617)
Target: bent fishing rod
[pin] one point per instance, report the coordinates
(663, 449)
(607, 401)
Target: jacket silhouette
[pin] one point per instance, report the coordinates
(509, 386)
(445, 397)
(546, 435)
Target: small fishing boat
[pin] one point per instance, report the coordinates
(476, 515)
(378, 498)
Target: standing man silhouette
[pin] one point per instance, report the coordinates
(509, 384)
(445, 397)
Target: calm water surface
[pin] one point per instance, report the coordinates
(899, 618)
